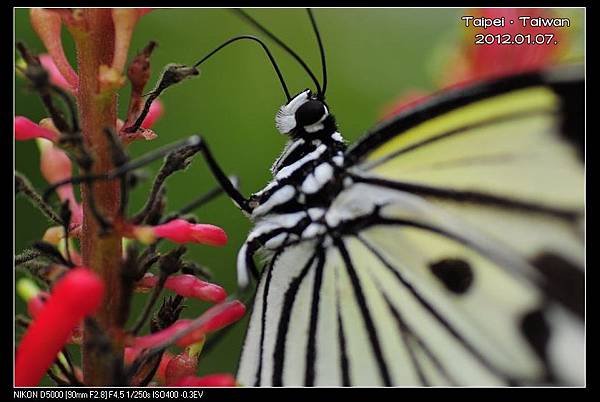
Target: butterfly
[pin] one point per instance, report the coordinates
(444, 247)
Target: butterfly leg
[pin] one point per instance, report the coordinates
(221, 177)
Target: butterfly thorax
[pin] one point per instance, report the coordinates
(306, 177)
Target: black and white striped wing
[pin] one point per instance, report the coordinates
(402, 303)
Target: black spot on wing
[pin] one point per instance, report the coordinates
(564, 280)
(454, 273)
(482, 358)
(536, 331)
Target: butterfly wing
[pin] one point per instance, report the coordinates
(377, 308)
(505, 156)
(500, 168)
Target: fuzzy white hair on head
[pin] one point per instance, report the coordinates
(285, 119)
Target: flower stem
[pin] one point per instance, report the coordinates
(102, 252)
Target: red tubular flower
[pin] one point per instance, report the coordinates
(234, 311)
(148, 341)
(77, 295)
(180, 231)
(188, 286)
(34, 307)
(25, 129)
(47, 24)
(230, 312)
(212, 380)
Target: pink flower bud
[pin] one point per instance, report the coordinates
(77, 295)
(187, 286)
(182, 231)
(47, 24)
(148, 341)
(228, 313)
(154, 113)
(25, 129)
(56, 166)
(56, 77)
(211, 380)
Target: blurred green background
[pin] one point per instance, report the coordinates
(374, 55)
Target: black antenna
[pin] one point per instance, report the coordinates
(283, 45)
(267, 51)
(321, 50)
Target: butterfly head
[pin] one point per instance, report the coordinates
(305, 113)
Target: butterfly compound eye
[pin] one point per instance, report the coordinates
(310, 112)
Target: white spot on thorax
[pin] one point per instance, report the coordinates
(337, 137)
(312, 230)
(324, 173)
(288, 170)
(276, 221)
(283, 195)
(316, 180)
(316, 213)
(289, 148)
(276, 241)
